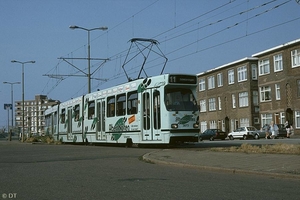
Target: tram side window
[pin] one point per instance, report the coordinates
(156, 103)
(132, 100)
(55, 118)
(76, 112)
(91, 110)
(48, 120)
(121, 104)
(111, 101)
(63, 116)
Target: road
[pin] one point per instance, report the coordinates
(38, 171)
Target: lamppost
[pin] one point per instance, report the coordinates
(23, 106)
(12, 99)
(104, 28)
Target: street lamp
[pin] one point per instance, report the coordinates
(23, 106)
(104, 28)
(12, 99)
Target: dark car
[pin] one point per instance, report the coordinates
(281, 131)
(212, 134)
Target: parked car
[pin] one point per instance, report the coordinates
(246, 133)
(212, 134)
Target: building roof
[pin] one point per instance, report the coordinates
(276, 48)
(227, 65)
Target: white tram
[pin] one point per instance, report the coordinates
(154, 110)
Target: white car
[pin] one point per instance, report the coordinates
(246, 132)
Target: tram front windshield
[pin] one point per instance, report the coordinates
(180, 99)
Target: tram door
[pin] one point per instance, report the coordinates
(101, 120)
(69, 124)
(151, 122)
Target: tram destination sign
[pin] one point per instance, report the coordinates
(184, 79)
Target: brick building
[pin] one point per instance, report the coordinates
(253, 91)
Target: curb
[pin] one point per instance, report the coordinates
(147, 158)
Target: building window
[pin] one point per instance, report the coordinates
(265, 93)
(203, 105)
(282, 117)
(211, 82)
(296, 58)
(243, 99)
(231, 76)
(297, 119)
(203, 126)
(220, 105)
(298, 88)
(220, 79)
(266, 119)
(233, 101)
(242, 73)
(264, 67)
(212, 104)
(254, 71)
(256, 120)
(278, 66)
(277, 91)
(255, 98)
(202, 84)
(212, 124)
(244, 122)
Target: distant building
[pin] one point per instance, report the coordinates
(34, 118)
(253, 91)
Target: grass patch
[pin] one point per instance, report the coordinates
(274, 148)
(43, 139)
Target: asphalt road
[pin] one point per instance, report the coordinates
(35, 171)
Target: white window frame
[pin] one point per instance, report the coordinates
(297, 119)
(203, 105)
(233, 101)
(277, 91)
(278, 64)
(255, 98)
(211, 82)
(202, 84)
(266, 118)
(264, 67)
(219, 102)
(243, 99)
(244, 122)
(231, 76)
(242, 73)
(254, 71)
(203, 126)
(220, 79)
(295, 56)
(265, 93)
(212, 124)
(212, 104)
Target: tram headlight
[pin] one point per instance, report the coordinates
(174, 125)
(196, 125)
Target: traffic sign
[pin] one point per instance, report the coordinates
(7, 106)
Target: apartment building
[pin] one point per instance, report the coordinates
(228, 96)
(34, 118)
(279, 84)
(253, 91)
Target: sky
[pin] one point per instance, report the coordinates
(194, 35)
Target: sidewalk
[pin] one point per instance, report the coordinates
(279, 165)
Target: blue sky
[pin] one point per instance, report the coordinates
(195, 35)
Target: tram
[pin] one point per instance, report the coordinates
(154, 110)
